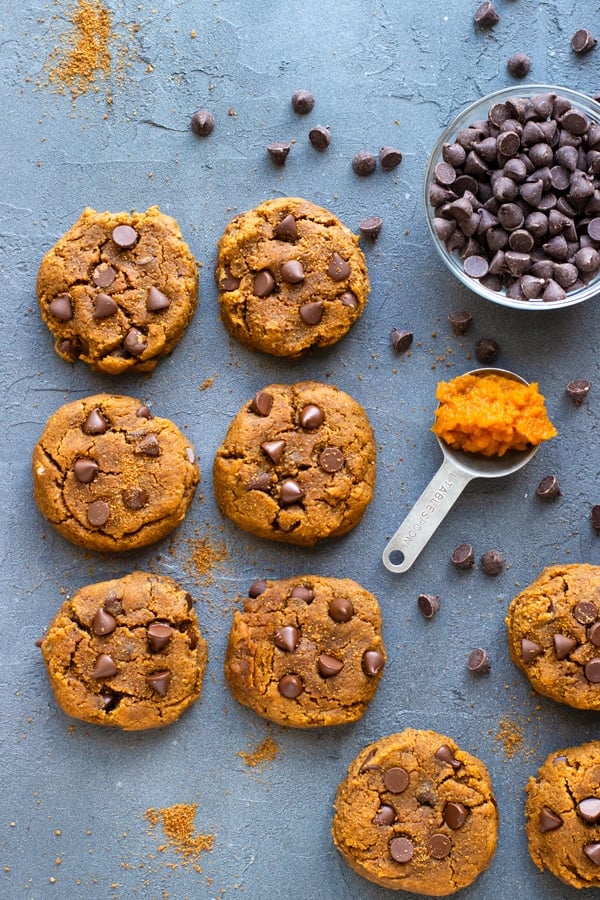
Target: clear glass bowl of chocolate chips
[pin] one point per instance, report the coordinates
(512, 193)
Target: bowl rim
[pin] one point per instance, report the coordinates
(452, 260)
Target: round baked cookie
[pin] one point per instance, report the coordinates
(563, 815)
(416, 813)
(291, 276)
(111, 476)
(126, 652)
(306, 651)
(118, 290)
(297, 463)
(554, 634)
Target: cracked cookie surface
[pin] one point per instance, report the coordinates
(554, 634)
(126, 652)
(297, 463)
(306, 651)
(118, 290)
(111, 476)
(563, 815)
(290, 276)
(416, 813)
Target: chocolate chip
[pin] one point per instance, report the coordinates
(113, 605)
(446, 755)
(103, 623)
(292, 272)
(487, 350)
(290, 492)
(85, 470)
(229, 283)
(98, 513)
(595, 516)
(463, 556)
(339, 268)
(105, 666)
(286, 230)
(290, 686)
(439, 845)
(103, 275)
(104, 306)
(273, 449)
(68, 349)
(159, 682)
(202, 122)
(261, 404)
(159, 634)
(492, 562)
(312, 313)
(320, 137)
(349, 299)
(135, 498)
(460, 321)
(518, 65)
(263, 284)
(563, 645)
(257, 588)
(134, 342)
(278, 151)
(364, 163)
(61, 308)
(578, 389)
(548, 488)
(144, 412)
(592, 851)
(389, 158)
(424, 793)
(385, 815)
(311, 416)
(428, 605)
(529, 650)
(486, 14)
(302, 102)
(262, 482)
(287, 638)
(476, 266)
(589, 810)
(592, 671)
(401, 340)
(594, 634)
(583, 41)
(396, 779)
(329, 666)
(331, 459)
(156, 300)
(371, 227)
(301, 592)
(478, 661)
(455, 815)
(548, 820)
(341, 609)
(125, 237)
(402, 849)
(372, 662)
(585, 612)
(147, 446)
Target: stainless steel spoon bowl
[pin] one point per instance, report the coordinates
(446, 486)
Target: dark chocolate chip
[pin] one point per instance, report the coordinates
(156, 300)
(396, 779)
(105, 666)
(134, 342)
(290, 492)
(428, 604)
(159, 634)
(594, 634)
(103, 623)
(372, 662)
(424, 793)
(301, 592)
(371, 226)
(302, 102)
(286, 230)
(257, 588)
(402, 849)
(339, 268)
(349, 299)
(563, 645)
(329, 666)
(364, 163)
(446, 755)
(147, 446)
(292, 272)
(592, 851)
(492, 562)
(278, 151)
(595, 516)
(548, 488)
(578, 389)
(478, 661)
(85, 470)
(290, 686)
(287, 638)
(68, 349)
(592, 671)
(229, 283)
(548, 820)
(263, 284)
(455, 815)
(585, 612)
(460, 321)
(113, 605)
(439, 845)
(487, 350)
(583, 41)
(144, 412)
(159, 682)
(103, 275)
(476, 266)
(202, 122)
(331, 459)
(389, 158)
(98, 513)
(486, 14)
(261, 404)
(311, 416)
(385, 815)
(124, 236)
(530, 650)
(341, 609)
(104, 306)
(135, 498)
(273, 449)
(518, 65)
(262, 482)
(320, 137)
(589, 810)
(61, 308)
(463, 556)
(401, 340)
(312, 313)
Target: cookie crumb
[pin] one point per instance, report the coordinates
(264, 752)
(178, 826)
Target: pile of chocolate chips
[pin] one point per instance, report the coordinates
(517, 197)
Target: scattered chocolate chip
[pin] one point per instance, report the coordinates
(229, 283)
(518, 65)
(463, 556)
(68, 349)
(385, 815)
(113, 605)
(125, 237)
(396, 779)
(95, 423)
(290, 686)
(594, 634)
(585, 612)
(592, 851)
(292, 272)
(492, 562)
(439, 845)
(273, 449)
(592, 671)
(61, 308)
(530, 650)
(320, 137)
(595, 516)
(105, 666)
(134, 498)
(339, 268)
(455, 815)
(548, 820)
(349, 299)
(589, 810)
(578, 389)
(39, 641)
(548, 488)
(202, 122)
(263, 284)
(301, 592)
(401, 340)
(134, 342)
(341, 609)
(329, 666)
(159, 634)
(262, 482)
(286, 230)
(424, 793)
(402, 849)
(290, 492)
(261, 404)
(103, 623)
(331, 460)
(278, 151)
(103, 275)
(372, 662)
(478, 661)
(156, 300)
(287, 638)
(85, 470)
(486, 14)
(486, 351)
(370, 227)
(257, 588)
(311, 416)
(476, 266)
(389, 158)
(147, 446)
(364, 163)
(98, 513)
(302, 102)
(104, 306)
(428, 604)
(563, 645)
(445, 754)
(312, 313)
(460, 321)
(159, 682)
(583, 41)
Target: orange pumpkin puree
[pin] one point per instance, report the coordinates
(491, 414)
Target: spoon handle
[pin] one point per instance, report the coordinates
(443, 490)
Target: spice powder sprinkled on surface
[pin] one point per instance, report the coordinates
(264, 752)
(178, 825)
(83, 54)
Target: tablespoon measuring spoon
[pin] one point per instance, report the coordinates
(444, 489)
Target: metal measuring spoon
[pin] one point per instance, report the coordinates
(446, 486)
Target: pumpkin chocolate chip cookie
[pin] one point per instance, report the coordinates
(416, 813)
(306, 651)
(291, 276)
(118, 290)
(554, 634)
(126, 652)
(111, 476)
(563, 815)
(297, 463)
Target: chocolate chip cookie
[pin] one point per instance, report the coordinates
(109, 475)
(118, 290)
(563, 815)
(306, 651)
(297, 463)
(416, 813)
(291, 276)
(554, 634)
(126, 652)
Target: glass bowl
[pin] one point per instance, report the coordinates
(477, 112)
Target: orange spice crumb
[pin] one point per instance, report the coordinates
(178, 825)
(84, 51)
(264, 752)
(205, 553)
(510, 736)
